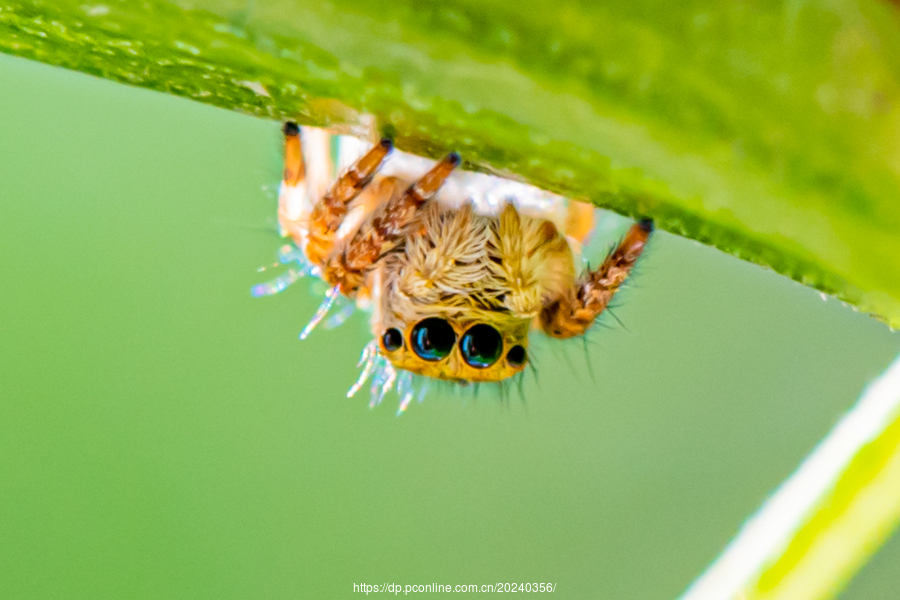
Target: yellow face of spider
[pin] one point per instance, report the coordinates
(441, 347)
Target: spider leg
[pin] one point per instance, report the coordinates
(572, 315)
(386, 230)
(293, 196)
(294, 170)
(306, 178)
(328, 214)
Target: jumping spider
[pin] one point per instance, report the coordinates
(454, 292)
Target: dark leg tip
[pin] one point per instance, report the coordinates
(387, 143)
(454, 158)
(646, 225)
(291, 128)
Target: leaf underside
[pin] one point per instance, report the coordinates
(770, 130)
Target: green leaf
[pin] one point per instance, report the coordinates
(770, 130)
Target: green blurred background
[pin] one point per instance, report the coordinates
(165, 435)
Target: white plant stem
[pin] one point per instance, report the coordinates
(765, 537)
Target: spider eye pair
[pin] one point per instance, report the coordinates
(433, 339)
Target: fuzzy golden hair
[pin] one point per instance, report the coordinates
(467, 269)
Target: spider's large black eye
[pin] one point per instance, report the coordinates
(392, 339)
(481, 346)
(433, 339)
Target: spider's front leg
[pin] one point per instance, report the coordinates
(316, 234)
(386, 230)
(572, 315)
